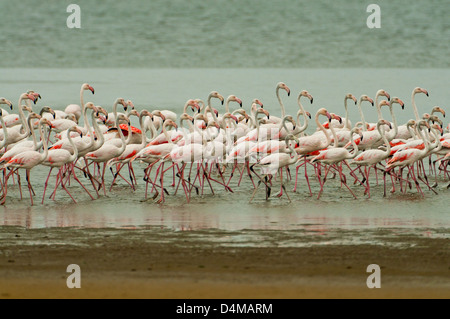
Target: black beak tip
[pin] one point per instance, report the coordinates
(289, 93)
(427, 94)
(11, 106)
(221, 102)
(372, 103)
(240, 104)
(312, 101)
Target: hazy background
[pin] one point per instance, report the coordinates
(225, 34)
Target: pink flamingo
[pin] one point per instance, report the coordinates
(28, 160)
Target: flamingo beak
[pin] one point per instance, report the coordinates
(92, 89)
(329, 116)
(288, 91)
(388, 96)
(311, 99)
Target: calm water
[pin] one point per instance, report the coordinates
(225, 34)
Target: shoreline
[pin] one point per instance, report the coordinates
(177, 265)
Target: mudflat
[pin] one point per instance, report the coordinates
(155, 263)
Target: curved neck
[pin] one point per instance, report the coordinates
(166, 134)
(346, 113)
(43, 133)
(122, 138)
(323, 130)
(362, 115)
(355, 146)
(22, 119)
(385, 139)
(5, 133)
(391, 136)
(413, 99)
(335, 142)
(33, 135)
(83, 109)
(380, 115)
(100, 138)
(143, 130)
(115, 109)
(425, 141)
(73, 156)
(227, 106)
(305, 116)
(283, 112)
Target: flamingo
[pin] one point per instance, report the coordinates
(77, 109)
(374, 156)
(28, 160)
(273, 163)
(403, 132)
(410, 156)
(336, 155)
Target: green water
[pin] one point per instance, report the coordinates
(225, 34)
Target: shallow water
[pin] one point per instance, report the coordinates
(169, 89)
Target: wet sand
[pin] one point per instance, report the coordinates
(158, 263)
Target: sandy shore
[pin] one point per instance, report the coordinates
(167, 264)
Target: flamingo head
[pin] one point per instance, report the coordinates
(44, 121)
(438, 109)
(76, 129)
(366, 98)
(213, 123)
(384, 122)
(130, 104)
(336, 117)
(122, 101)
(352, 97)
(86, 87)
(194, 105)
(420, 90)
(29, 96)
(306, 94)
(234, 98)
(103, 111)
(7, 102)
(323, 111)
(158, 113)
(383, 103)
(424, 123)
(35, 94)
(398, 101)
(217, 95)
(265, 112)
(283, 86)
(146, 113)
(171, 123)
(257, 101)
(47, 109)
(186, 116)
(438, 127)
(384, 93)
(133, 112)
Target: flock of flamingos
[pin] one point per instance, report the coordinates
(204, 146)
